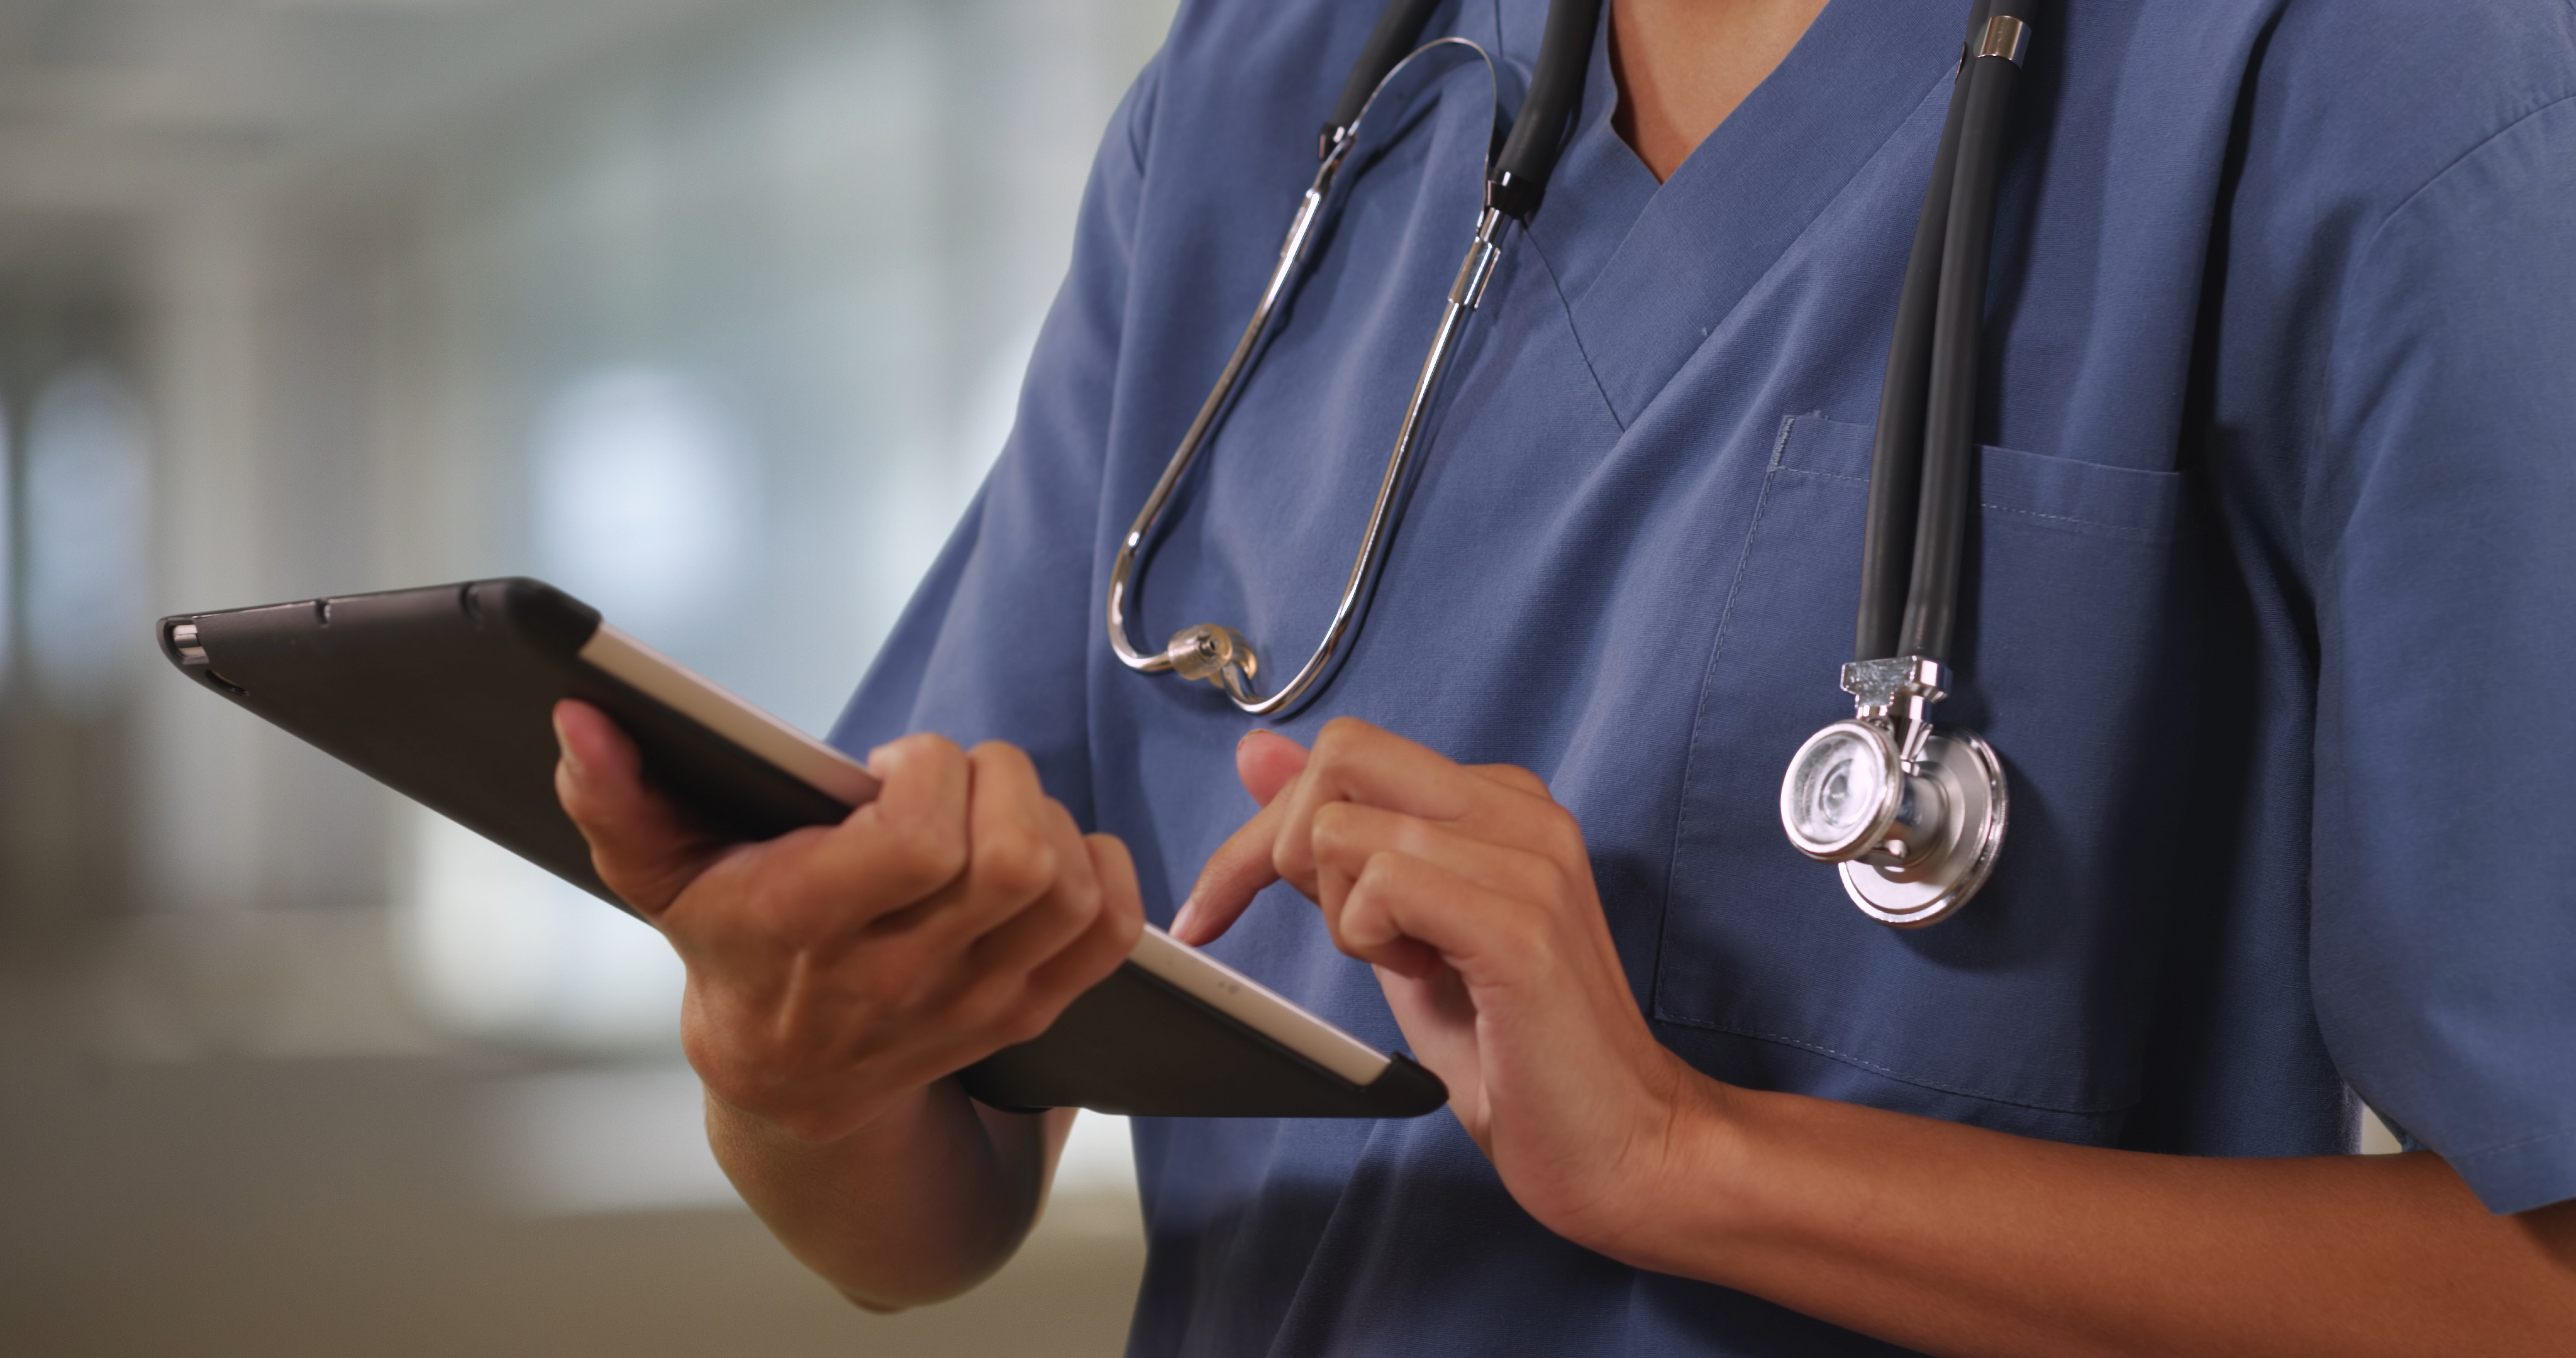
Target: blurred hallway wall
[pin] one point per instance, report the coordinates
(69, 306)
(356, 259)
(710, 310)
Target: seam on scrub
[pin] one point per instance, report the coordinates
(1779, 262)
(2371, 242)
(1699, 709)
(1891, 1073)
(1557, 286)
(2322, 556)
(2561, 1133)
(1149, 83)
(2124, 530)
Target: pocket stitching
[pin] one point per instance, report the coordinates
(1699, 710)
(2124, 530)
(1890, 1072)
(2095, 525)
(2131, 531)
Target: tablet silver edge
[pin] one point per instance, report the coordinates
(694, 696)
(1257, 1007)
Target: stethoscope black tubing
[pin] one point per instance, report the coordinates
(1923, 468)
(1896, 462)
(1519, 177)
(1399, 28)
(1949, 422)
(1517, 180)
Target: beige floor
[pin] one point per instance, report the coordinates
(290, 1208)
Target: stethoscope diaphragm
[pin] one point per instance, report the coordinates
(1913, 837)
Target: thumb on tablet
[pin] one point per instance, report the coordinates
(642, 847)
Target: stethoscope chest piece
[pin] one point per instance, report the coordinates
(1954, 865)
(1912, 813)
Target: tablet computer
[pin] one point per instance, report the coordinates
(446, 694)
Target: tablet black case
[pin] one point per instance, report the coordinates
(446, 693)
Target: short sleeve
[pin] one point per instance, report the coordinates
(2440, 528)
(992, 645)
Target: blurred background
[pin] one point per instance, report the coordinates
(711, 311)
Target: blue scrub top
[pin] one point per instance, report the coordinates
(2272, 600)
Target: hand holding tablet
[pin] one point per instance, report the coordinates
(836, 971)
(447, 694)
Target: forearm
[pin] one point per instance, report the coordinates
(1960, 1240)
(924, 1202)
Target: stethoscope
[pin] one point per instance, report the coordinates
(1913, 813)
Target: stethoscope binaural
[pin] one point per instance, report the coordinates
(1514, 181)
(1913, 813)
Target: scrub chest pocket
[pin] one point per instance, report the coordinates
(2029, 1009)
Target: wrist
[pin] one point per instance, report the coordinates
(916, 1205)
(1680, 1185)
(814, 1130)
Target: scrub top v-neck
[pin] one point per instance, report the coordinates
(1754, 186)
(2243, 389)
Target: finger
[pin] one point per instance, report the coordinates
(1010, 861)
(1356, 762)
(900, 849)
(1265, 761)
(1366, 926)
(1392, 895)
(1268, 763)
(1235, 873)
(1040, 967)
(1513, 776)
(1017, 943)
(1348, 834)
(1108, 942)
(641, 845)
(1350, 837)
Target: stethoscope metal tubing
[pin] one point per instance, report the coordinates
(1516, 174)
(1219, 654)
(1292, 251)
(1464, 294)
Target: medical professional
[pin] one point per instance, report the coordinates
(2268, 603)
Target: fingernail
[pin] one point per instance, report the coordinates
(563, 746)
(1181, 917)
